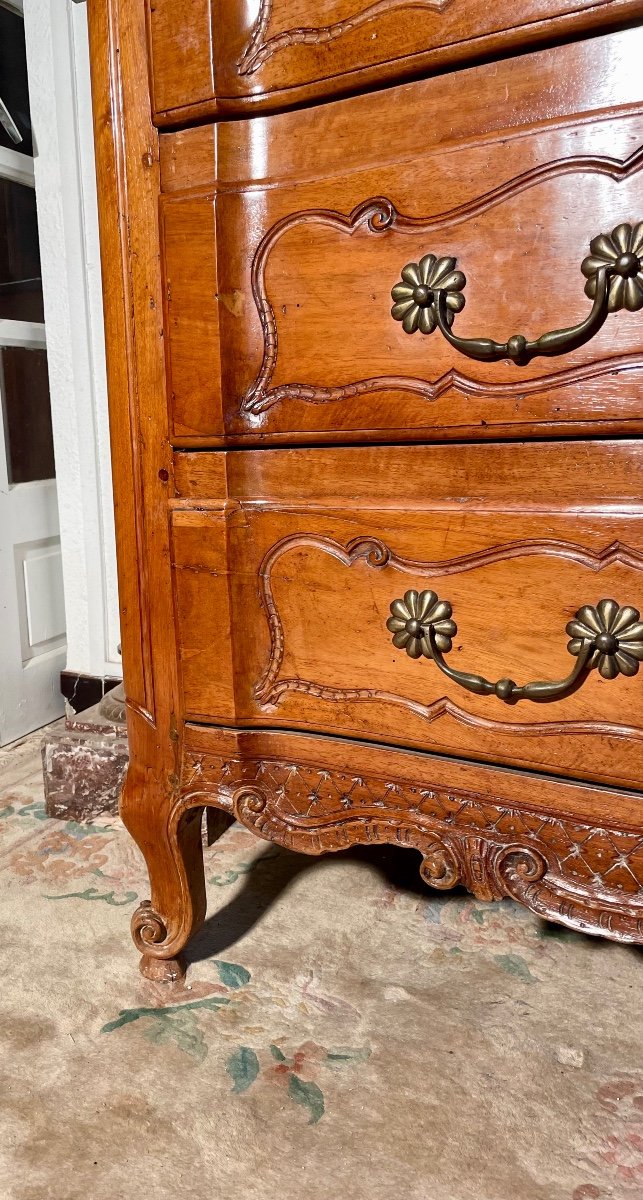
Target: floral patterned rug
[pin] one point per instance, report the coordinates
(342, 1031)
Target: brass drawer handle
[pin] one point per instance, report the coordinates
(605, 636)
(430, 293)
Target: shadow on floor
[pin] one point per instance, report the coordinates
(273, 872)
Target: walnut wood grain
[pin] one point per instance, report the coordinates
(217, 56)
(520, 92)
(531, 477)
(268, 262)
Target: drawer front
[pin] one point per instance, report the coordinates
(292, 308)
(224, 55)
(297, 596)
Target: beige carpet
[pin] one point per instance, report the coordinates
(343, 1032)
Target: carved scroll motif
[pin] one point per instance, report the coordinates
(585, 877)
(262, 46)
(272, 687)
(379, 215)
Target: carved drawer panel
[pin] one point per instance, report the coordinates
(479, 600)
(225, 56)
(397, 286)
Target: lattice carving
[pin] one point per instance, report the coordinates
(586, 876)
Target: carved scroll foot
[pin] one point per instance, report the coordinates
(162, 926)
(148, 928)
(162, 970)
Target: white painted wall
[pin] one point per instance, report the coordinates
(58, 60)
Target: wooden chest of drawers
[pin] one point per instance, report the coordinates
(375, 374)
(219, 56)
(269, 258)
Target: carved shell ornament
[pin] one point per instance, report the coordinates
(414, 295)
(616, 634)
(623, 249)
(410, 617)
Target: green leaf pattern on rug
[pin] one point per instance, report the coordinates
(514, 964)
(309, 1095)
(182, 1028)
(128, 1015)
(232, 975)
(93, 893)
(35, 810)
(277, 1053)
(243, 1067)
(179, 1024)
(246, 1067)
(233, 874)
(346, 1056)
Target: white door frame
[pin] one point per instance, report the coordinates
(31, 594)
(60, 98)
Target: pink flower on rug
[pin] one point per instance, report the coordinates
(296, 1072)
(60, 856)
(622, 1148)
(32, 866)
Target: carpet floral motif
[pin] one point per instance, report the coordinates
(234, 1007)
(290, 1036)
(618, 1153)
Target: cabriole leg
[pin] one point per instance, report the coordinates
(162, 926)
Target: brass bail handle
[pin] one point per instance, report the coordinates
(431, 291)
(605, 636)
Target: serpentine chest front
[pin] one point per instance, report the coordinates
(376, 390)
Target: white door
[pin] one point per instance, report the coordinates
(32, 611)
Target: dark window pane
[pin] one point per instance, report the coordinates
(13, 79)
(24, 384)
(20, 284)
